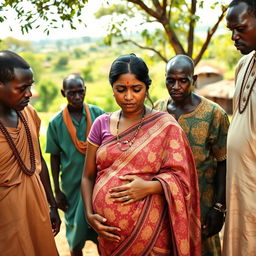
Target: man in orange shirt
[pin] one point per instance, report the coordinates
(24, 181)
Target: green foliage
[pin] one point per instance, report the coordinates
(35, 62)
(15, 45)
(31, 13)
(113, 9)
(228, 57)
(78, 53)
(86, 72)
(47, 91)
(62, 61)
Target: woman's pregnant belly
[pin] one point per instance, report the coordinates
(117, 215)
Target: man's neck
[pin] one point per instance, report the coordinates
(75, 110)
(186, 103)
(8, 116)
(186, 106)
(6, 111)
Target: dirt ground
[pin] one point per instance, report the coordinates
(90, 248)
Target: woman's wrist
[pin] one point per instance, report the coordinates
(155, 187)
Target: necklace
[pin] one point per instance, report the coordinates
(14, 149)
(242, 107)
(126, 144)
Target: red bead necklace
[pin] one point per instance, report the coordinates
(14, 149)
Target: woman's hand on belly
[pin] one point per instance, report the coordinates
(134, 190)
(97, 222)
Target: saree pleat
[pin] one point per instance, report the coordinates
(166, 224)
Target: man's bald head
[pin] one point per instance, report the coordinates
(180, 61)
(72, 78)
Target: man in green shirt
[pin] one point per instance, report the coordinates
(66, 142)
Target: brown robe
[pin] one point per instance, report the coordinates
(25, 228)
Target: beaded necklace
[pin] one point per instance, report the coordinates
(240, 107)
(14, 149)
(126, 144)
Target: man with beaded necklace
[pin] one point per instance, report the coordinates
(240, 228)
(25, 223)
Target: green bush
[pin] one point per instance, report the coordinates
(62, 61)
(47, 91)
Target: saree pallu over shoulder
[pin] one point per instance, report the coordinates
(167, 224)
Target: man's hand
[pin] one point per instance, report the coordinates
(55, 220)
(61, 201)
(213, 223)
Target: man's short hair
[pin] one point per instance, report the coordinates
(8, 62)
(73, 76)
(251, 5)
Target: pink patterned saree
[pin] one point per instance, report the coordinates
(166, 224)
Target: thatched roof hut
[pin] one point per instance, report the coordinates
(208, 73)
(220, 92)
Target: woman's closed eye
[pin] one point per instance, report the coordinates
(136, 89)
(121, 89)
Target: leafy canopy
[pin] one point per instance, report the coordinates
(31, 13)
(165, 27)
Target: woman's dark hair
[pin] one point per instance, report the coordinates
(132, 64)
(8, 62)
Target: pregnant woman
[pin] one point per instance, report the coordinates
(139, 182)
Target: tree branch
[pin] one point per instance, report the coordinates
(172, 37)
(145, 8)
(191, 28)
(157, 4)
(143, 47)
(209, 35)
(164, 7)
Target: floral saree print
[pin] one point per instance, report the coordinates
(160, 224)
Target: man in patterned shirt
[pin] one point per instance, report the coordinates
(205, 124)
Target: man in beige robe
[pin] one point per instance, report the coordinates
(25, 225)
(240, 227)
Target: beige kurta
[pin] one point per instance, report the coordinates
(25, 228)
(240, 227)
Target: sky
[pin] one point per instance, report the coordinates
(94, 27)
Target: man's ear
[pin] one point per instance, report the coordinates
(2, 84)
(63, 93)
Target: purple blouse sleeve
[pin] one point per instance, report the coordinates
(100, 130)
